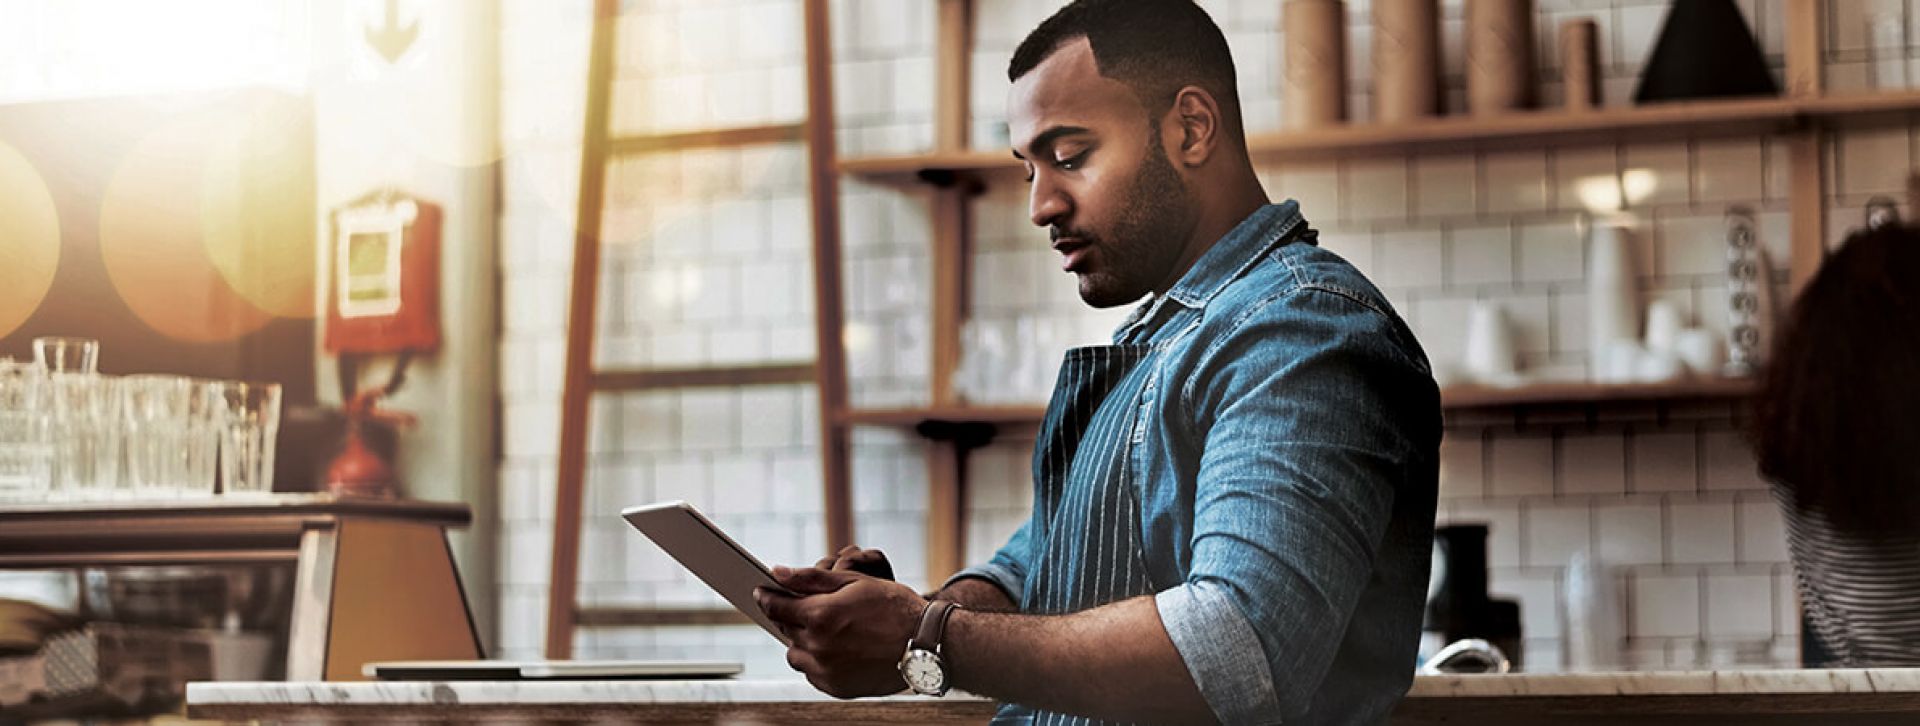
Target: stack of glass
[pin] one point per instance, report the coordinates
(69, 433)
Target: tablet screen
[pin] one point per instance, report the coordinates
(692, 540)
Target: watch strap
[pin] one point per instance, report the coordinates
(933, 624)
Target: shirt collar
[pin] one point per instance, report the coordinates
(1268, 226)
(1234, 253)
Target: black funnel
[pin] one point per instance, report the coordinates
(1705, 50)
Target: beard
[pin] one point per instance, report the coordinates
(1144, 244)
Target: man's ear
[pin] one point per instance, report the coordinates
(1197, 121)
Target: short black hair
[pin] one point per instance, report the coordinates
(1156, 47)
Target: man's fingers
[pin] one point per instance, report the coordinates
(813, 580)
(803, 662)
(783, 609)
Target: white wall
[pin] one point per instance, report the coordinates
(708, 265)
(426, 126)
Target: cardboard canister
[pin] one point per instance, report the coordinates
(1406, 60)
(1314, 87)
(1580, 63)
(1499, 56)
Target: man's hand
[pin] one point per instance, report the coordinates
(851, 557)
(848, 629)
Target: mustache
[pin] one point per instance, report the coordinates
(1055, 233)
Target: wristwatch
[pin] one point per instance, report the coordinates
(922, 667)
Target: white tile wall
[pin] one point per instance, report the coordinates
(1678, 507)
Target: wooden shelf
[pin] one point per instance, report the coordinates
(1460, 397)
(1452, 398)
(1454, 134)
(998, 415)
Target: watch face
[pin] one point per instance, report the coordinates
(923, 672)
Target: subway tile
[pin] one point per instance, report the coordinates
(1700, 533)
(1556, 532)
(739, 226)
(1587, 180)
(1663, 462)
(1730, 463)
(1670, 172)
(1540, 597)
(1666, 606)
(1356, 248)
(1409, 259)
(1593, 464)
(1786, 602)
(1692, 245)
(685, 478)
(1515, 181)
(1763, 532)
(1630, 533)
(1739, 606)
(1315, 186)
(770, 417)
(1570, 323)
(795, 483)
(709, 419)
(1376, 188)
(1440, 324)
(1874, 161)
(1462, 467)
(1522, 466)
(1444, 185)
(1550, 251)
(1726, 171)
(1480, 256)
(1502, 520)
(1530, 319)
(1635, 28)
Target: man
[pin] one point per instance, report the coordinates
(1233, 504)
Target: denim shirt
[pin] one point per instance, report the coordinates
(1285, 463)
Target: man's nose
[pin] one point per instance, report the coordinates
(1046, 205)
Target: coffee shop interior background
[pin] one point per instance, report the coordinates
(707, 262)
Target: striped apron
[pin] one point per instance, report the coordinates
(1086, 526)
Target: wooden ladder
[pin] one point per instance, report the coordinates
(583, 380)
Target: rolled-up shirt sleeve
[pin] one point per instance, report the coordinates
(1008, 567)
(1303, 452)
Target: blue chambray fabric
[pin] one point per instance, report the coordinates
(1257, 450)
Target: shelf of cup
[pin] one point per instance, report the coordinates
(914, 416)
(1463, 133)
(1470, 396)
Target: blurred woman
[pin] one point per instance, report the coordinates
(1838, 435)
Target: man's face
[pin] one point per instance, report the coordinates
(1116, 209)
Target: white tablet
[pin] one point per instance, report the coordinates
(709, 554)
(499, 670)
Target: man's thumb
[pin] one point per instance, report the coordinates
(815, 581)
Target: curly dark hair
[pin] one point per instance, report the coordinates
(1837, 425)
(1156, 47)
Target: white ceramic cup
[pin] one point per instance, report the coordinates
(1700, 351)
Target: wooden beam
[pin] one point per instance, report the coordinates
(823, 191)
(1805, 23)
(953, 114)
(717, 138)
(946, 510)
(577, 388)
(663, 378)
(1806, 201)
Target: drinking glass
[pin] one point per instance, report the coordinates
(66, 355)
(155, 413)
(86, 433)
(26, 446)
(249, 424)
(201, 453)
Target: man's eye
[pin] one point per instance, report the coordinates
(1072, 162)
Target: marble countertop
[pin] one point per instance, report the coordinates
(1671, 683)
(1649, 683)
(482, 693)
(1747, 697)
